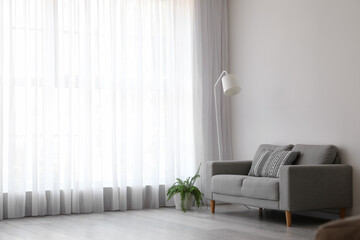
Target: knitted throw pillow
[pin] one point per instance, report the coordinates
(271, 167)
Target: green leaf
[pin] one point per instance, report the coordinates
(186, 188)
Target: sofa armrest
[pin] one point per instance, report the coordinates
(310, 187)
(224, 167)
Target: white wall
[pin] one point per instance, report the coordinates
(298, 63)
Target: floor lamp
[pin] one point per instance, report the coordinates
(230, 88)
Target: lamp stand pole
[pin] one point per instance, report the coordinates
(216, 115)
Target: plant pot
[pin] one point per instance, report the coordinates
(188, 201)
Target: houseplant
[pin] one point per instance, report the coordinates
(186, 191)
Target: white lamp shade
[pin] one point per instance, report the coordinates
(230, 85)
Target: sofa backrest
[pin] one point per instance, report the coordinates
(263, 147)
(316, 154)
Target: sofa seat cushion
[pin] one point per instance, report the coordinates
(227, 184)
(261, 188)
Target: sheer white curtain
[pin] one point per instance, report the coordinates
(210, 58)
(211, 44)
(96, 103)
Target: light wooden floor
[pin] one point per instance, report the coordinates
(229, 222)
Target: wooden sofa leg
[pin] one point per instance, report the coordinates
(260, 212)
(212, 206)
(342, 213)
(288, 218)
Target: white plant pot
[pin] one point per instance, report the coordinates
(188, 201)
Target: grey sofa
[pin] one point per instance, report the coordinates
(317, 180)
